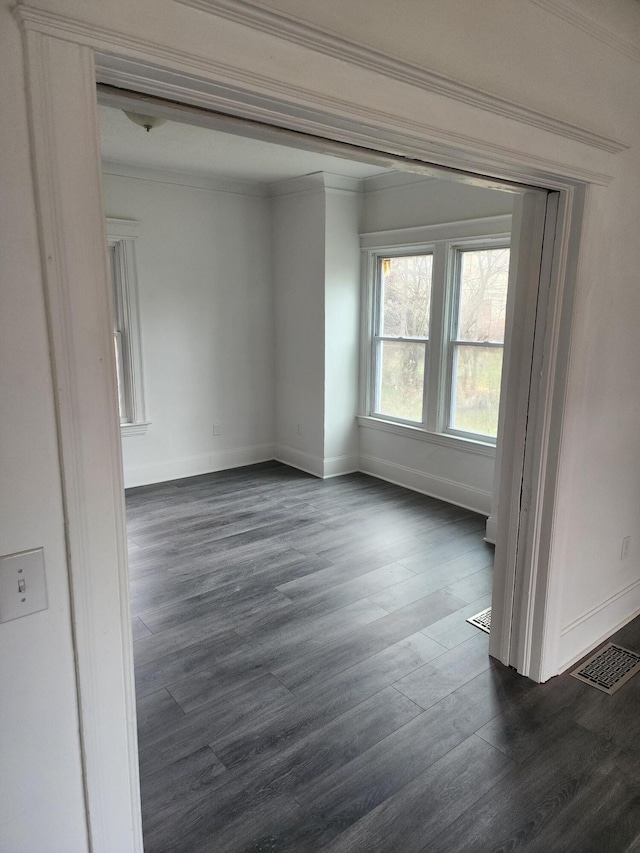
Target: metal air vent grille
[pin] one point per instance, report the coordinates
(609, 668)
(482, 620)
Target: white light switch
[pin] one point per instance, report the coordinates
(22, 585)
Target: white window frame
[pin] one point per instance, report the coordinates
(444, 241)
(377, 337)
(451, 315)
(121, 238)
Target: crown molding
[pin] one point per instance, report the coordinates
(365, 123)
(294, 30)
(315, 182)
(198, 180)
(393, 181)
(285, 105)
(571, 16)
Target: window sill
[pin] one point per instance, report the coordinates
(134, 429)
(481, 448)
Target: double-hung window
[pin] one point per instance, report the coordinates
(436, 315)
(476, 341)
(401, 335)
(121, 236)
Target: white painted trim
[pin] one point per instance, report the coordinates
(393, 181)
(604, 620)
(602, 605)
(313, 183)
(476, 500)
(191, 466)
(365, 127)
(587, 25)
(257, 16)
(122, 229)
(466, 445)
(517, 534)
(66, 153)
(491, 530)
(448, 147)
(306, 462)
(337, 466)
(185, 179)
(486, 226)
(134, 429)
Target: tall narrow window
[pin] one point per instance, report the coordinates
(126, 326)
(477, 340)
(401, 336)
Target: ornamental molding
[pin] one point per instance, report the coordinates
(265, 20)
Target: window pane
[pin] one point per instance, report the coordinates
(406, 296)
(401, 380)
(117, 343)
(484, 276)
(476, 389)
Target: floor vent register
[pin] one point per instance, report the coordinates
(609, 668)
(482, 620)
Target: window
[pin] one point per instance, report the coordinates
(477, 339)
(401, 336)
(436, 315)
(121, 235)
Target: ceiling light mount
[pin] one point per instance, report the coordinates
(148, 122)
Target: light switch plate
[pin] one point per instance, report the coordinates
(23, 589)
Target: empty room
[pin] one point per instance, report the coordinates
(299, 336)
(340, 355)
(309, 355)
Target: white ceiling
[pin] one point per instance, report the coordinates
(182, 147)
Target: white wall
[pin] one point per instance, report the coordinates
(41, 793)
(585, 76)
(342, 330)
(206, 309)
(459, 474)
(404, 200)
(298, 211)
(599, 486)
(316, 264)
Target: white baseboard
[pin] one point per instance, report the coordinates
(428, 484)
(306, 462)
(191, 466)
(330, 466)
(491, 530)
(336, 466)
(576, 638)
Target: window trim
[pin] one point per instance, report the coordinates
(443, 240)
(121, 238)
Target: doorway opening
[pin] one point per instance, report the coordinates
(62, 76)
(324, 228)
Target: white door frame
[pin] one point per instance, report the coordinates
(62, 56)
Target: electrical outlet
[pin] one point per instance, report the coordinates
(626, 547)
(22, 584)
(216, 429)
(299, 429)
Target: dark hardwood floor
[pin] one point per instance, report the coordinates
(307, 681)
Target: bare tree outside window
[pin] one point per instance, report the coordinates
(479, 340)
(403, 333)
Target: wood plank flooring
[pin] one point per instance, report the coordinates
(307, 681)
